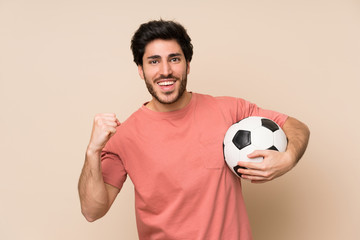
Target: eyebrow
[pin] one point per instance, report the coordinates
(170, 56)
(154, 57)
(174, 54)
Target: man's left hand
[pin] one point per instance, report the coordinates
(273, 165)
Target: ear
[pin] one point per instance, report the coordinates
(188, 67)
(141, 72)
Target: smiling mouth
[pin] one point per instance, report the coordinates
(166, 83)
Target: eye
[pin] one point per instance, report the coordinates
(175, 59)
(153, 62)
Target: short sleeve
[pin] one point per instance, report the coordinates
(247, 109)
(112, 169)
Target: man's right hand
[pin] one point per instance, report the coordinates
(96, 197)
(104, 127)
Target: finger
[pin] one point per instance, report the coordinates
(107, 116)
(251, 172)
(257, 175)
(257, 153)
(255, 179)
(108, 130)
(252, 178)
(250, 165)
(112, 131)
(118, 123)
(104, 121)
(258, 182)
(111, 123)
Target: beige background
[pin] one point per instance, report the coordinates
(63, 61)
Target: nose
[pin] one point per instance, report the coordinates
(165, 69)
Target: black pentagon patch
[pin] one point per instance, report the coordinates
(236, 168)
(242, 139)
(273, 148)
(224, 150)
(269, 124)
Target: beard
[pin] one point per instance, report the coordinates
(179, 94)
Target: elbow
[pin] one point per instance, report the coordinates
(299, 127)
(91, 216)
(307, 131)
(306, 135)
(90, 220)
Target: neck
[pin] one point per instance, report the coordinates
(156, 106)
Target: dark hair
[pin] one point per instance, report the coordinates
(160, 29)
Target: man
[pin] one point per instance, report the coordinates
(171, 148)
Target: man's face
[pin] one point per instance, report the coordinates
(164, 70)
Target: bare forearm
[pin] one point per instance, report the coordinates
(298, 136)
(96, 197)
(275, 164)
(92, 189)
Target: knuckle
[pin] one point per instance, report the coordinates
(100, 122)
(102, 127)
(97, 118)
(263, 168)
(267, 174)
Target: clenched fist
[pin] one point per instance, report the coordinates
(104, 127)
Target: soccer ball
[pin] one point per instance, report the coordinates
(248, 135)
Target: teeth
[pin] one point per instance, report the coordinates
(167, 83)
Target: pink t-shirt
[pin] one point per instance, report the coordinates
(183, 188)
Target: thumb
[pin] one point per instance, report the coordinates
(118, 123)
